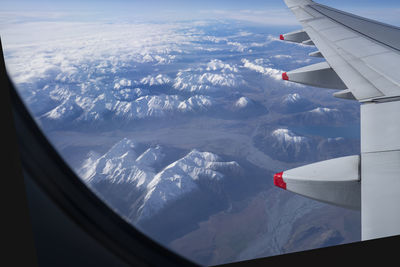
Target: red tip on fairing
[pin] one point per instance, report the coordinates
(281, 37)
(285, 76)
(278, 180)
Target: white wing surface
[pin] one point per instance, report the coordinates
(362, 61)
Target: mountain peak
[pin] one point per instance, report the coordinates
(287, 136)
(178, 179)
(243, 102)
(321, 110)
(292, 98)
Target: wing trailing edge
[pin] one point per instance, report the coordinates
(345, 94)
(316, 54)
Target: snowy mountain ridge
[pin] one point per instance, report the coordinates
(122, 164)
(93, 109)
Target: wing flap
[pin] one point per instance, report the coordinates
(297, 3)
(316, 54)
(308, 42)
(344, 94)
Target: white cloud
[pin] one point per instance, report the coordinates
(238, 46)
(282, 56)
(67, 51)
(302, 61)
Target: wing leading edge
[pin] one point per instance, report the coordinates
(364, 53)
(361, 61)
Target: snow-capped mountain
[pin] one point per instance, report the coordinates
(318, 116)
(286, 145)
(286, 137)
(292, 98)
(90, 109)
(293, 103)
(67, 110)
(322, 111)
(123, 165)
(159, 79)
(180, 177)
(105, 97)
(160, 105)
(244, 107)
(243, 102)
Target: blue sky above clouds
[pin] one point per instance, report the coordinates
(273, 12)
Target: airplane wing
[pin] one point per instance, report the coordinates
(362, 58)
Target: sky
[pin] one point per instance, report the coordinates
(184, 4)
(273, 12)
